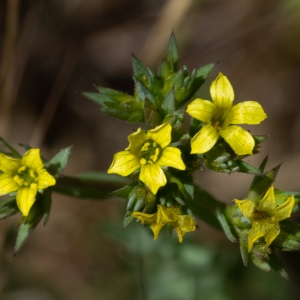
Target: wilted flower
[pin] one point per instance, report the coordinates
(265, 216)
(167, 215)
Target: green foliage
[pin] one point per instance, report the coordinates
(156, 94)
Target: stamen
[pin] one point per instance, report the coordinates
(143, 161)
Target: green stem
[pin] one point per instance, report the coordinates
(88, 187)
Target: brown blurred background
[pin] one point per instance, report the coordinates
(51, 51)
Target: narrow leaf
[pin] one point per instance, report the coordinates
(225, 225)
(12, 150)
(246, 168)
(58, 163)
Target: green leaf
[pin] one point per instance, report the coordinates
(151, 115)
(13, 151)
(203, 72)
(170, 63)
(195, 126)
(117, 104)
(172, 54)
(259, 138)
(58, 163)
(225, 225)
(47, 201)
(127, 220)
(246, 168)
(259, 257)
(25, 146)
(220, 160)
(8, 207)
(277, 266)
(244, 250)
(176, 120)
(124, 191)
(261, 184)
(168, 106)
(139, 71)
(28, 224)
(204, 206)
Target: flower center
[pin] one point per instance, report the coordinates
(259, 215)
(150, 152)
(26, 177)
(219, 118)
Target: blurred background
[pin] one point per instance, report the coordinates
(51, 51)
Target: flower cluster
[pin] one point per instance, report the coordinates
(151, 154)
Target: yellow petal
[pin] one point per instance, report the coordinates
(156, 229)
(222, 92)
(204, 140)
(25, 199)
(240, 140)
(284, 210)
(45, 180)
(32, 159)
(273, 229)
(268, 202)
(124, 163)
(153, 176)
(258, 230)
(247, 207)
(164, 215)
(184, 224)
(136, 140)
(161, 134)
(145, 218)
(8, 164)
(171, 157)
(248, 112)
(7, 184)
(202, 110)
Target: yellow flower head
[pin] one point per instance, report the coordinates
(265, 216)
(181, 223)
(25, 176)
(149, 152)
(220, 118)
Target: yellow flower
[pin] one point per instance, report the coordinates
(220, 117)
(265, 216)
(25, 176)
(181, 223)
(149, 152)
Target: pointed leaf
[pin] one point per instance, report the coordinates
(225, 225)
(277, 266)
(58, 163)
(168, 106)
(8, 207)
(246, 168)
(152, 117)
(47, 201)
(12, 150)
(124, 191)
(28, 224)
(261, 184)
